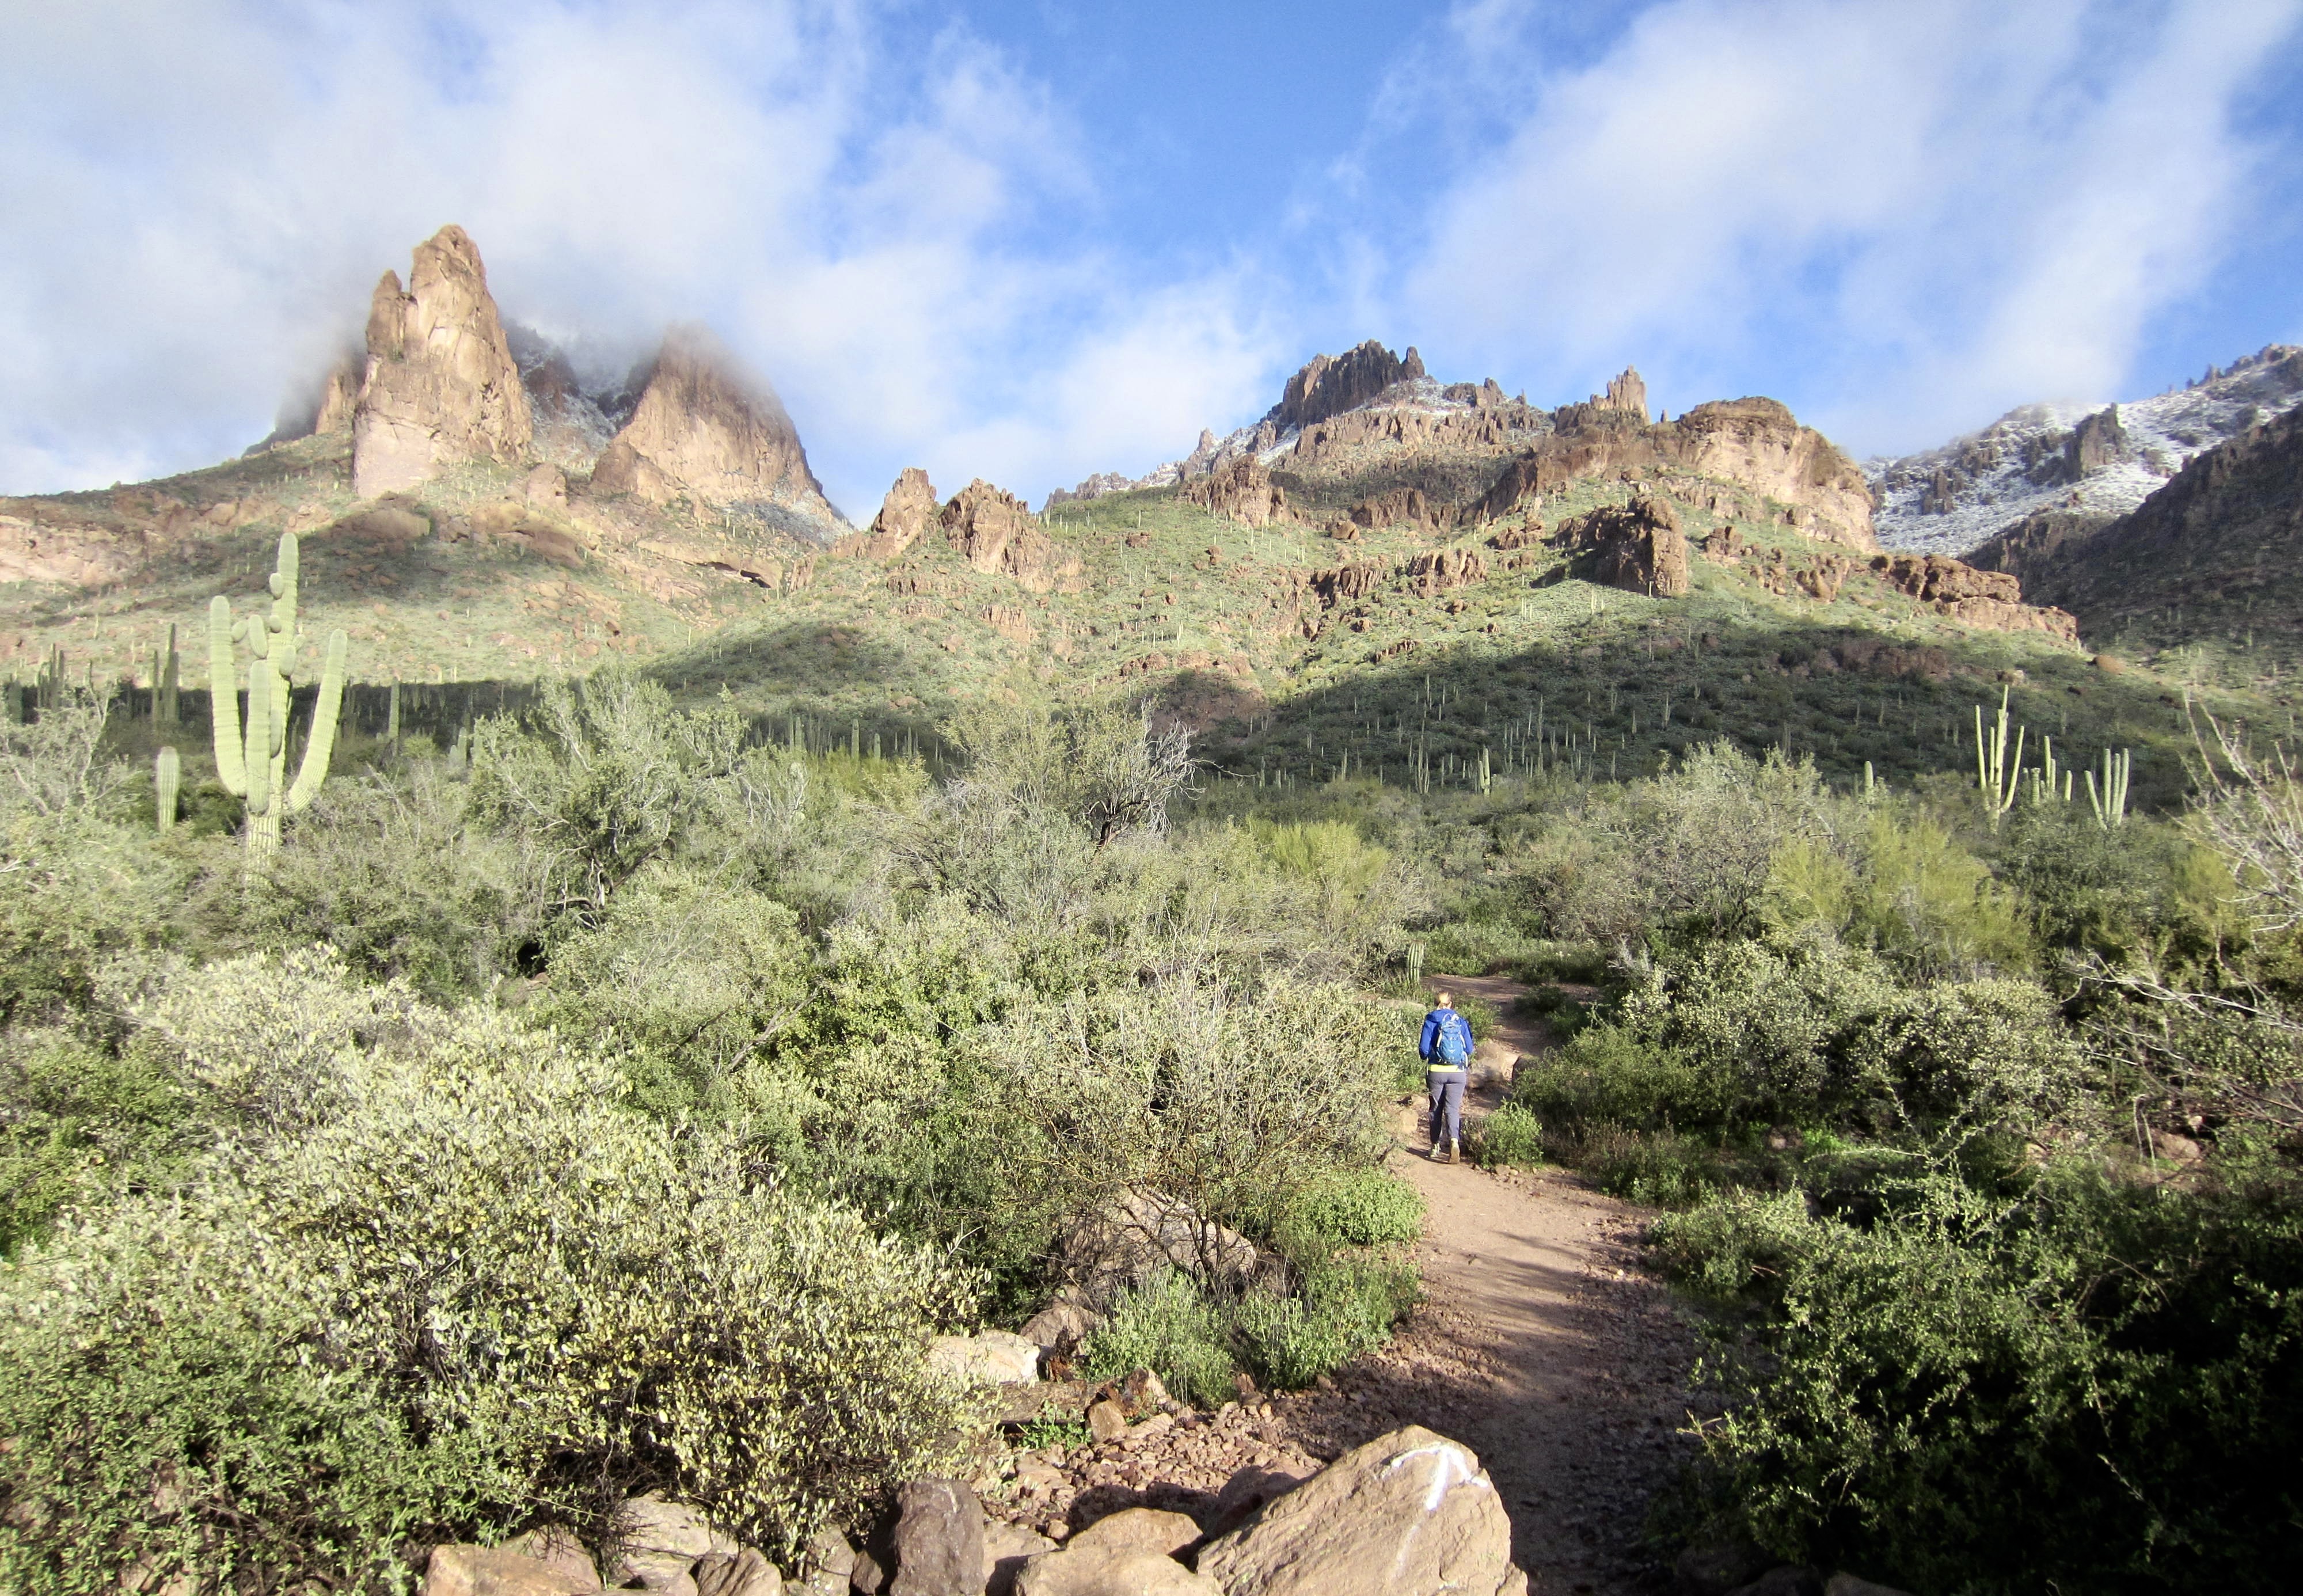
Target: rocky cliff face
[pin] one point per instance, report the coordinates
(1758, 444)
(996, 532)
(2090, 459)
(705, 431)
(2212, 553)
(1242, 492)
(908, 510)
(441, 384)
(1331, 384)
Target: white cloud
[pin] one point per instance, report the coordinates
(1922, 213)
(202, 195)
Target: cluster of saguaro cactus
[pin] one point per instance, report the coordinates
(2050, 781)
(1996, 774)
(2109, 801)
(254, 768)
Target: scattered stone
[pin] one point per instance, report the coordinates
(1106, 1422)
(995, 1357)
(1408, 1511)
(938, 1541)
(497, 1571)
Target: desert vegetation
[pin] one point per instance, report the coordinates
(613, 1092)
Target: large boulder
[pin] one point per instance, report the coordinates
(1636, 546)
(1138, 1529)
(827, 1563)
(441, 385)
(498, 1571)
(938, 1542)
(1007, 1547)
(1408, 1514)
(743, 1572)
(658, 1545)
(1139, 1233)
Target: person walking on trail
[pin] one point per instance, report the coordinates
(1446, 1052)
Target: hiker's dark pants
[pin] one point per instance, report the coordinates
(1447, 1104)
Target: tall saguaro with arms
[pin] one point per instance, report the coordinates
(254, 767)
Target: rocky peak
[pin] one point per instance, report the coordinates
(706, 431)
(1627, 392)
(441, 384)
(908, 510)
(1328, 385)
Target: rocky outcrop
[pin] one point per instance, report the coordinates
(997, 534)
(705, 431)
(1432, 574)
(908, 511)
(1758, 444)
(1628, 391)
(1408, 1511)
(32, 550)
(1636, 546)
(1331, 384)
(1242, 491)
(1401, 505)
(441, 384)
(1989, 599)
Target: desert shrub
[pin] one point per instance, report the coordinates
(1610, 1074)
(80, 1122)
(1903, 885)
(1169, 1326)
(1228, 1098)
(1660, 1167)
(386, 869)
(684, 980)
(2091, 1387)
(1479, 948)
(1342, 1307)
(1958, 1058)
(476, 1287)
(1357, 1208)
(1511, 1135)
(1734, 1242)
(75, 891)
(600, 778)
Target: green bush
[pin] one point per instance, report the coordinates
(1169, 1326)
(472, 1288)
(1734, 1242)
(1512, 1135)
(1357, 1208)
(1346, 1306)
(80, 1122)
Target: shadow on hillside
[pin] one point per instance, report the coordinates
(1615, 697)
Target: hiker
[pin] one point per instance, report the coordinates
(1447, 1052)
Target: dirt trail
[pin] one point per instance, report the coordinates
(1543, 1346)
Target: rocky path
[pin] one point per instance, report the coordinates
(1543, 1344)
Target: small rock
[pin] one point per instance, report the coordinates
(1059, 1329)
(939, 1541)
(995, 1357)
(829, 1561)
(1077, 1571)
(1106, 1421)
(745, 1572)
(1140, 1393)
(494, 1571)
(556, 1544)
(1139, 1529)
(658, 1542)
(1006, 1548)
(1785, 1581)
(1846, 1585)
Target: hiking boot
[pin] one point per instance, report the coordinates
(1439, 1153)
(1454, 1152)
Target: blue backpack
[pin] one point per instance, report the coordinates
(1454, 1043)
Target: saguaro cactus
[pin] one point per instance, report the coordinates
(167, 784)
(2109, 801)
(255, 768)
(1996, 774)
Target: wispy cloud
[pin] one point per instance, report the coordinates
(1918, 211)
(203, 194)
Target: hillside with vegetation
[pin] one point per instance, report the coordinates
(618, 978)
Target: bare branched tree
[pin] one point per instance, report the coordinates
(51, 766)
(2250, 811)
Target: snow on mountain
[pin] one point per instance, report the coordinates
(2095, 457)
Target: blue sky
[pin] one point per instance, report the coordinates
(1028, 241)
